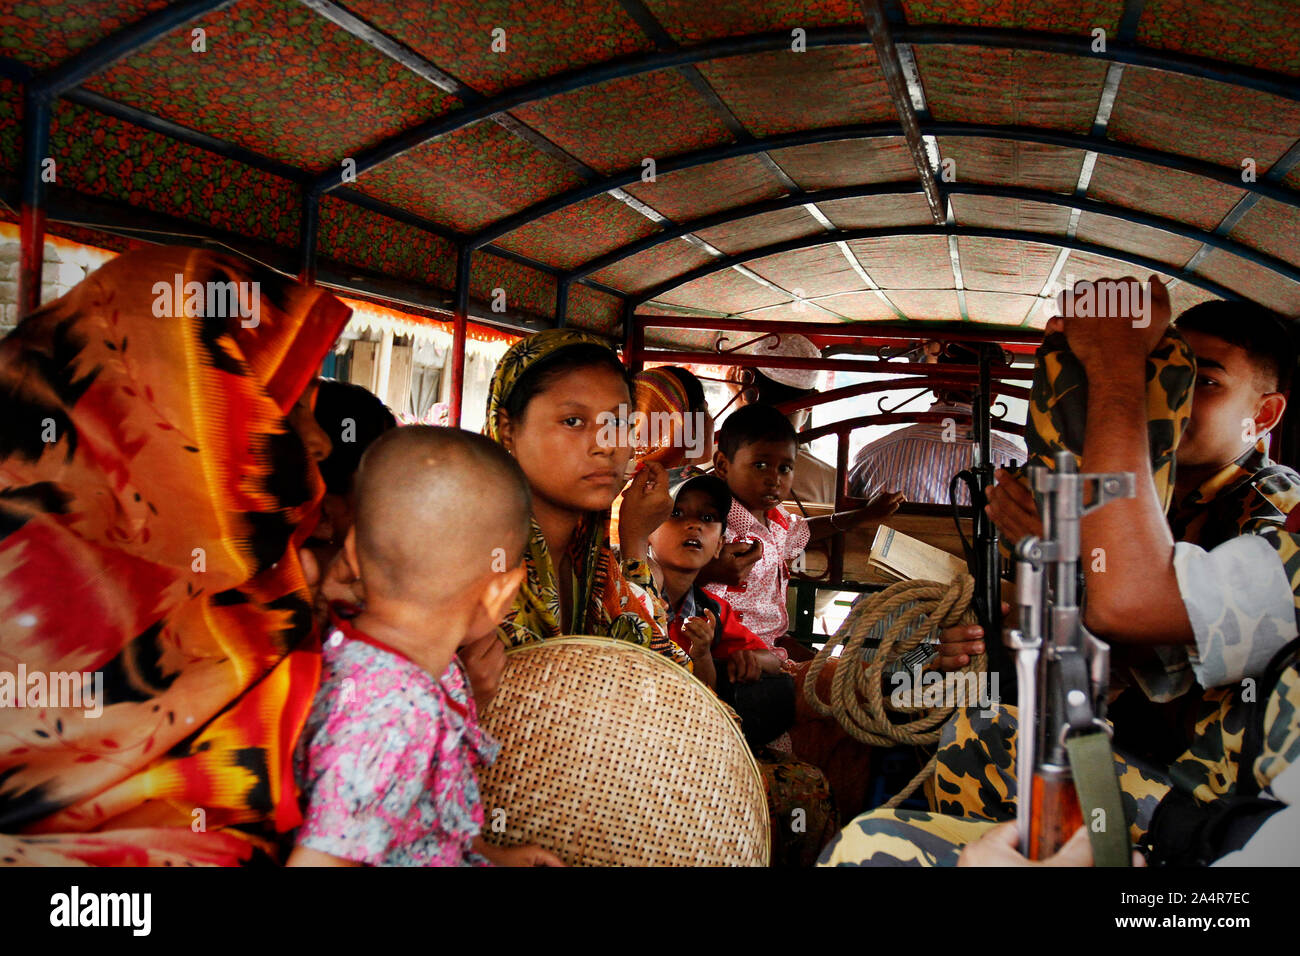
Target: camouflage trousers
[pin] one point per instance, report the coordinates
(974, 786)
(903, 838)
(975, 773)
(973, 790)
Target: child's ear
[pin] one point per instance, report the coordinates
(350, 552)
(722, 537)
(720, 465)
(499, 591)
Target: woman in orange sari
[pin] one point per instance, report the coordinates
(154, 496)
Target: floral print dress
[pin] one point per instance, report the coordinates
(386, 761)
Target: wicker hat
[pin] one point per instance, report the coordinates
(785, 346)
(612, 755)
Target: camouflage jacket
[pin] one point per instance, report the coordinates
(1255, 595)
(1249, 496)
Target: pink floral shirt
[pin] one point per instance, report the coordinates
(760, 602)
(386, 760)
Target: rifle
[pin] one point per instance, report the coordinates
(982, 555)
(1064, 766)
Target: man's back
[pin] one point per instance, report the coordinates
(920, 460)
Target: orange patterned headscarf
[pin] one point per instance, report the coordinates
(153, 500)
(661, 398)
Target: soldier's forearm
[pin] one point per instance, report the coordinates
(1128, 550)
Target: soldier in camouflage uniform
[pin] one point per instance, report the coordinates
(1246, 586)
(975, 778)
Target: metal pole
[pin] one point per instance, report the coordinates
(561, 303)
(633, 339)
(31, 215)
(986, 533)
(841, 479)
(463, 259)
(308, 232)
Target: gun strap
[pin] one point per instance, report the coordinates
(1093, 766)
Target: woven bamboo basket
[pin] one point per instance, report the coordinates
(612, 755)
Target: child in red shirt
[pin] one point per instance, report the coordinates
(728, 656)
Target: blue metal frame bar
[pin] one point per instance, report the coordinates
(1229, 175)
(1274, 83)
(431, 73)
(1129, 18)
(309, 225)
(1171, 226)
(191, 137)
(655, 32)
(713, 154)
(65, 205)
(1276, 173)
(740, 212)
(851, 235)
(562, 302)
(702, 157)
(184, 134)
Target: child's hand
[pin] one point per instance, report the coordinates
(700, 630)
(524, 856)
(733, 567)
(743, 667)
(646, 505)
(880, 508)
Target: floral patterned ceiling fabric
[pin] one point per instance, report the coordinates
(275, 82)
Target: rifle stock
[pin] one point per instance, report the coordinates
(1054, 811)
(1062, 669)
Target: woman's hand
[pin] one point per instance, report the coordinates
(646, 505)
(484, 661)
(337, 583)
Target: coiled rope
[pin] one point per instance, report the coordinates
(919, 609)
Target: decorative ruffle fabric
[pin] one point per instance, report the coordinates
(154, 496)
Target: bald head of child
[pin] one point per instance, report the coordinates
(441, 527)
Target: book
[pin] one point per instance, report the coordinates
(899, 557)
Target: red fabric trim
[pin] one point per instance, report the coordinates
(1293, 521)
(341, 614)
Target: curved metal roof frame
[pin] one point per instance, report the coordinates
(42, 89)
(739, 213)
(568, 82)
(849, 235)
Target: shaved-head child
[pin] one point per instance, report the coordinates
(386, 760)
